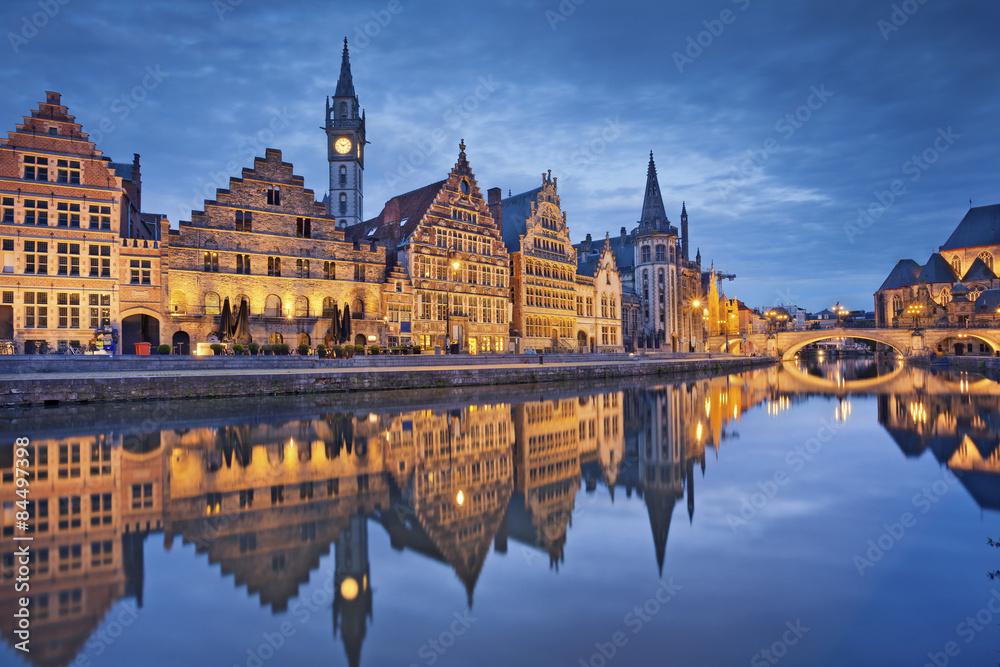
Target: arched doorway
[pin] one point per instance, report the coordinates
(360, 339)
(139, 328)
(181, 342)
(304, 339)
(959, 349)
(6, 322)
(581, 340)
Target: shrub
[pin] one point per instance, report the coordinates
(282, 348)
(267, 349)
(216, 348)
(359, 349)
(238, 348)
(254, 347)
(337, 350)
(321, 351)
(163, 349)
(303, 349)
(374, 349)
(416, 349)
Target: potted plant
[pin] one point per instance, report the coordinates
(374, 349)
(163, 349)
(416, 349)
(283, 349)
(216, 348)
(237, 348)
(337, 351)
(359, 349)
(254, 348)
(303, 349)
(321, 351)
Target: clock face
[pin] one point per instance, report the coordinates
(342, 145)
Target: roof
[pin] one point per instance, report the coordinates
(122, 169)
(516, 211)
(653, 212)
(979, 227)
(988, 301)
(979, 271)
(398, 218)
(345, 85)
(904, 274)
(937, 270)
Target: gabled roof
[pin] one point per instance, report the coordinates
(979, 271)
(979, 227)
(398, 218)
(516, 211)
(904, 274)
(937, 270)
(988, 301)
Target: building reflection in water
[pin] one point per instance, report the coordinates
(266, 500)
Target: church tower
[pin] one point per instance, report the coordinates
(345, 132)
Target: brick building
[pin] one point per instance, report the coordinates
(267, 240)
(72, 232)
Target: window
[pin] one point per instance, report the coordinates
(68, 255)
(357, 310)
(329, 270)
(101, 553)
(212, 306)
(359, 273)
(67, 171)
(343, 203)
(100, 261)
(36, 312)
(343, 176)
(956, 264)
(274, 266)
(36, 263)
(142, 496)
(141, 269)
(244, 221)
(8, 210)
(36, 168)
(8, 297)
(302, 268)
(100, 217)
(69, 310)
(987, 258)
(243, 264)
(100, 509)
(303, 228)
(36, 212)
(328, 304)
(100, 310)
(69, 214)
(211, 262)
(272, 306)
(274, 195)
(69, 512)
(301, 307)
(661, 253)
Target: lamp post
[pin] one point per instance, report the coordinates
(455, 265)
(840, 311)
(695, 308)
(914, 310)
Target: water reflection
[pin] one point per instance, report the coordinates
(267, 491)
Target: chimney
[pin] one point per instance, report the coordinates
(624, 235)
(391, 211)
(585, 246)
(493, 196)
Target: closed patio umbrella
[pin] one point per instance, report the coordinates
(241, 328)
(226, 322)
(345, 326)
(335, 325)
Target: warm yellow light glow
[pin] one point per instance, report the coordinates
(460, 498)
(698, 431)
(696, 303)
(455, 265)
(349, 589)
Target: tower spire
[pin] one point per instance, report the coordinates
(684, 231)
(653, 212)
(345, 85)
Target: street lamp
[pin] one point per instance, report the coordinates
(455, 265)
(695, 308)
(915, 310)
(840, 310)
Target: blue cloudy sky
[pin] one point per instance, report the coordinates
(777, 122)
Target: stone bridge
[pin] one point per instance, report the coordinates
(907, 342)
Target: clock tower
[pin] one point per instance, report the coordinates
(345, 132)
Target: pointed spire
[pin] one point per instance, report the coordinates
(653, 212)
(345, 85)
(684, 210)
(461, 148)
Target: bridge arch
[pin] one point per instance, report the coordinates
(956, 337)
(808, 338)
(826, 384)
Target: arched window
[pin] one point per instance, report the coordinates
(178, 302)
(987, 258)
(343, 203)
(343, 109)
(357, 310)
(897, 304)
(956, 264)
(272, 306)
(672, 256)
(328, 304)
(614, 308)
(301, 307)
(304, 339)
(212, 303)
(343, 175)
(275, 339)
(645, 253)
(661, 253)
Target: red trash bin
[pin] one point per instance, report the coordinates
(142, 348)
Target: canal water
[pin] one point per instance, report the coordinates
(824, 512)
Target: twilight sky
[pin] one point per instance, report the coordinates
(778, 122)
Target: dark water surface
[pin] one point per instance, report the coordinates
(830, 512)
